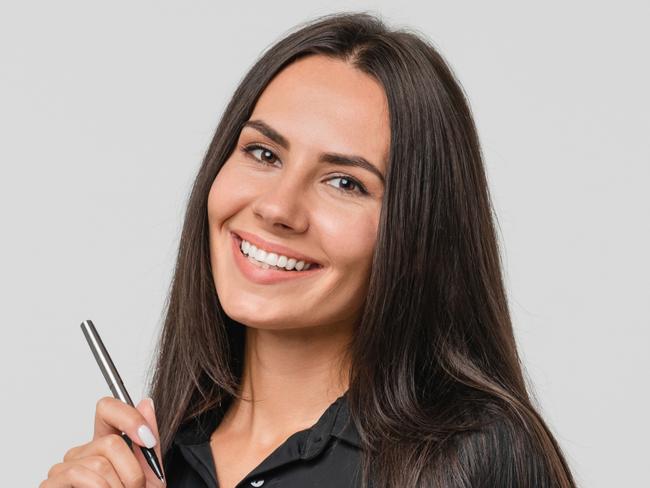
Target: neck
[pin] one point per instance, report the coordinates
(289, 378)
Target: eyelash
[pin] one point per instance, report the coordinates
(251, 147)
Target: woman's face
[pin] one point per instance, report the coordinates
(283, 191)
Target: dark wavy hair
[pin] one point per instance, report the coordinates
(436, 390)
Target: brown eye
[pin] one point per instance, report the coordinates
(349, 185)
(267, 156)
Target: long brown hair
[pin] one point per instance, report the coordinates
(436, 388)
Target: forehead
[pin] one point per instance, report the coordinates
(323, 104)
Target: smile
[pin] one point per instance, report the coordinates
(267, 259)
(256, 264)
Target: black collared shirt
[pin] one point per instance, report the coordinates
(326, 455)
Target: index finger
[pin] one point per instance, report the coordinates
(113, 416)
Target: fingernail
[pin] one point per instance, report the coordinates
(146, 436)
(151, 403)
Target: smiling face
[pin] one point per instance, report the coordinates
(283, 190)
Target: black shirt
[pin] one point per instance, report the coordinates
(326, 455)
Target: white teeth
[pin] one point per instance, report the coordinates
(260, 254)
(257, 263)
(271, 259)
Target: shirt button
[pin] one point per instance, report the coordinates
(257, 483)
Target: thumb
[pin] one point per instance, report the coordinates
(146, 408)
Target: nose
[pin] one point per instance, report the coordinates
(282, 205)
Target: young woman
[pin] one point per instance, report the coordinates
(337, 315)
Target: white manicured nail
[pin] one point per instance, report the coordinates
(146, 436)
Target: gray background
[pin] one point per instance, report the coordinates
(106, 109)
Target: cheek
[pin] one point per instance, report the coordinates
(227, 195)
(216, 201)
(350, 238)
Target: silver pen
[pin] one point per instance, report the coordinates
(117, 386)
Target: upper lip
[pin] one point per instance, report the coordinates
(276, 248)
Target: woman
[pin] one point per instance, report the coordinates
(337, 315)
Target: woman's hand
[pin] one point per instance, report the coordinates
(107, 461)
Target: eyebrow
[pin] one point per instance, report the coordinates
(332, 158)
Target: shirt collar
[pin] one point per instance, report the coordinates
(335, 421)
(344, 427)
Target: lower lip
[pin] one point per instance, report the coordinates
(261, 275)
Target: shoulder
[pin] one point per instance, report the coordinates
(503, 452)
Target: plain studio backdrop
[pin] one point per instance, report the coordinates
(106, 111)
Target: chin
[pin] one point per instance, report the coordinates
(249, 315)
